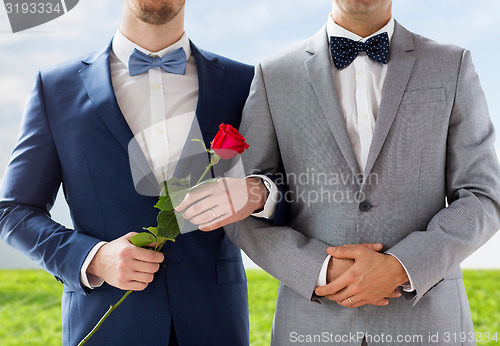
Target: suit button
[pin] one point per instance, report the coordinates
(364, 206)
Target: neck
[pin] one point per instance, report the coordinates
(361, 24)
(152, 37)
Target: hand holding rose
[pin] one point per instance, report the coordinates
(230, 199)
(227, 201)
(124, 265)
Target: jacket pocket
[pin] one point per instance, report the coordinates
(424, 96)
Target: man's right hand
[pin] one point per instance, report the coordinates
(124, 265)
(337, 267)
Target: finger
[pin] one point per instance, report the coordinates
(142, 277)
(194, 196)
(373, 246)
(207, 216)
(129, 235)
(147, 255)
(217, 223)
(144, 267)
(133, 286)
(355, 303)
(333, 287)
(381, 302)
(199, 207)
(394, 294)
(352, 252)
(370, 246)
(343, 294)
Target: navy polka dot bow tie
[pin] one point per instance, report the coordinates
(345, 50)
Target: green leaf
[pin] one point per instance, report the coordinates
(168, 225)
(153, 230)
(143, 239)
(203, 183)
(171, 201)
(173, 193)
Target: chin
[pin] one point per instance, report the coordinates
(362, 6)
(156, 12)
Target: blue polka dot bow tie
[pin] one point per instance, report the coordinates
(174, 62)
(345, 50)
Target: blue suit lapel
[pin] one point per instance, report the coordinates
(211, 86)
(193, 159)
(96, 77)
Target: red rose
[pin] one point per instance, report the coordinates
(228, 142)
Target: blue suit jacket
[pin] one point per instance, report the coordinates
(74, 133)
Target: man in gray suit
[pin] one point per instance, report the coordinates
(383, 136)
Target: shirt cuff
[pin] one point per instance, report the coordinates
(322, 273)
(408, 286)
(272, 198)
(89, 280)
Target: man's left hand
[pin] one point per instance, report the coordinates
(227, 201)
(372, 277)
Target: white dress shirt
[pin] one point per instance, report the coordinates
(148, 102)
(359, 89)
(159, 108)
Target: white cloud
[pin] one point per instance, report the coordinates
(14, 91)
(447, 21)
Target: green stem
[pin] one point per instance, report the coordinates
(204, 173)
(101, 321)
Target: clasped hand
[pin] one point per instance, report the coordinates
(357, 274)
(360, 275)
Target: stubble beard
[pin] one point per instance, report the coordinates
(157, 14)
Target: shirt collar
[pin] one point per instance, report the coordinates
(122, 47)
(333, 29)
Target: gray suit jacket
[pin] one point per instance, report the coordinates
(433, 140)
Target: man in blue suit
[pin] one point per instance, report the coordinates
(76, 131)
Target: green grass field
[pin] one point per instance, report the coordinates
(30, 311)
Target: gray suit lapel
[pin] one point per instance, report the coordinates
(398, 73)
(319, 69)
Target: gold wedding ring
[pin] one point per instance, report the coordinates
(213, 213)
(350, 301)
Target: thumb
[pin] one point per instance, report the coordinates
(370, 246)
(345, 252)
(373, 246)
(129, 235)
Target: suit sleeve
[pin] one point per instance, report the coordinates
(29, 188)
(285, 253)
(472, 187)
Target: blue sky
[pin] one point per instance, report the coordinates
(244, 30)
